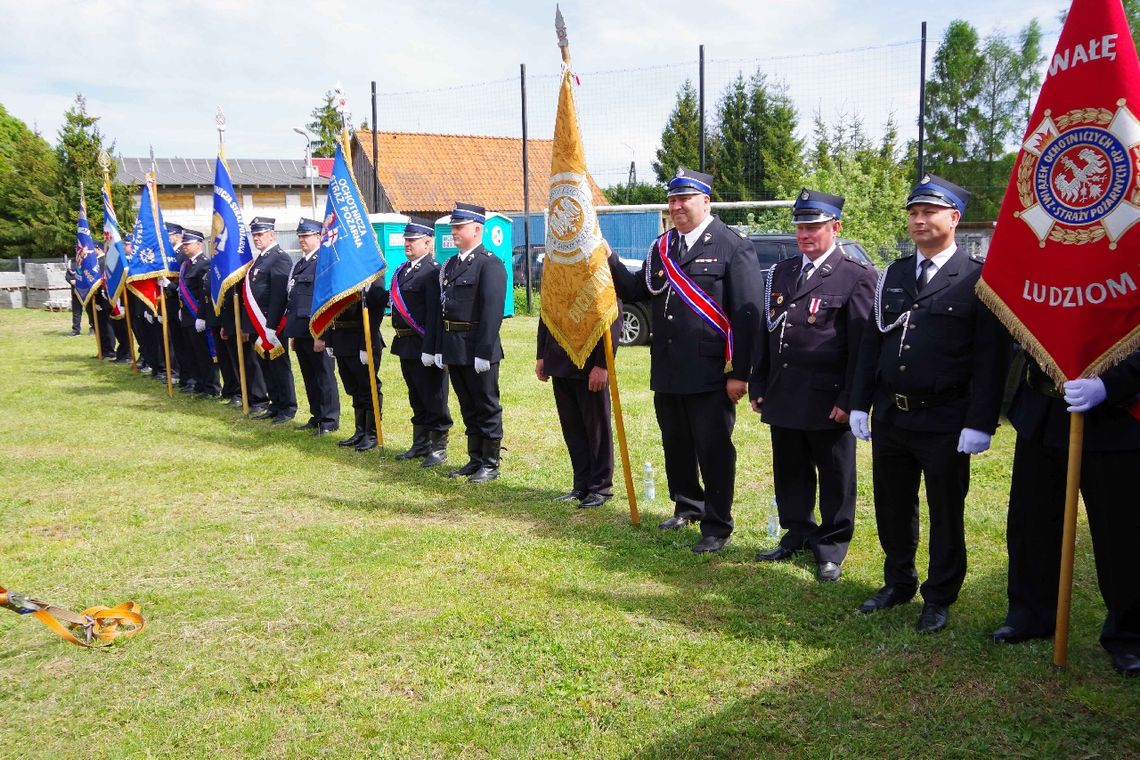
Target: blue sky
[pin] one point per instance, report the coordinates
(155, 71)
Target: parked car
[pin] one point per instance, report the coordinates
(537, 254)
(770, 248)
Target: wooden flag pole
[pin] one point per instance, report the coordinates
(1068, 541)
(105, 164)
(130, 332)
(240, 354)
(630, 494)
(372, 373)
(92, 301)
(165, 340)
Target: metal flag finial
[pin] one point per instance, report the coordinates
(220, 120)
(104, 161)
(560, 27)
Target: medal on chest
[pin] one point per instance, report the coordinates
(813, 309)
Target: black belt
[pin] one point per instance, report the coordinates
(459, 326)
(1042, 384)
(913, 402)
(403, 332)
(338, 324)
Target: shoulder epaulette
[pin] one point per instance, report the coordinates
(978, 257)
(854, 260)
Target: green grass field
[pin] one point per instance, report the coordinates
(308, 601)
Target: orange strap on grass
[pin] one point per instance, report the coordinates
(94, 627)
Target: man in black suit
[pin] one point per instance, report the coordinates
(817, 306)
(198, 368)
(932, 367)
(706, 288)
(473, 284)
(1109, 462)
(581, 395)
(416, 321)
(179, 352)
(230, 390)
(316, 366)
(267, 291)
(254, 381)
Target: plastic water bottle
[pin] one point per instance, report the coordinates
(774, 520)
(650, 486)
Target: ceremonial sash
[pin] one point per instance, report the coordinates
(398, 302)
(263, 345)
(697, 299)
(187, 299)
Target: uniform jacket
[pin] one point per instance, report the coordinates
(346, 334)
(952, 345)
(472, 291)
(556, 362)
(420, 289)
(195, 274)
(268, 278)
(804, 363)
(1108, 426)
(299, 300)
(688, 354)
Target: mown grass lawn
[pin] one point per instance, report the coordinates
(308, 601)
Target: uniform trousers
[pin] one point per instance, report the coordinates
(478, 395)
(696, 435)
(585, 419)
(427, 394)
(278, 374)
(354, 377)
(198, 361)
(254, 380)
(76, 312)
(123, 346)
(320, 382)
(231, 380)
(899, 458)
(797, 457)
(1034, 533)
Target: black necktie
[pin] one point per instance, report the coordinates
(804, 275)
(682, 248)
(923, 270)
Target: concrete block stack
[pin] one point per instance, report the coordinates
(12, 290)
(47, 286)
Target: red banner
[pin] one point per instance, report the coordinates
(1063, 270)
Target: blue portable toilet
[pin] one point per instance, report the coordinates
(497, 239)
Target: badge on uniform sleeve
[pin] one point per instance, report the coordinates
(813, 309)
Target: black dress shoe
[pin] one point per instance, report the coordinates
(710, 544)
(1127, 664)
(210, 395)
(188, 389)
(828, 572)
(1009, 634)
(310, 425)
(325, 429)
(571, 496)
(932, 619)
(674, 522)
(780, 554)
(885, 598)
(594, 500)
(367, 442)
(261, 413)
(281, 419)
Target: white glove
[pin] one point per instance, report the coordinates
(200, 325)
(973, 441)
(427, 359)
(329, 351)
(271, 335)
(158, 318)
(163, 282)
(147, 316)
(364, 358)
(1083, 395)
(860, 424)
(481, 365)
(439, 360)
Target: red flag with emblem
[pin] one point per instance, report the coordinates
(1063, 270)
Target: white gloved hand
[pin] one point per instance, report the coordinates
(427, 359)
(329, 351)
(973, 441)
(860, 424)
(148, 317)
(364, 358)
(163, 282)
(439, 360)
(481, 365)
(200, 325)
(271, 336)
(158, 318)
(1083, 395)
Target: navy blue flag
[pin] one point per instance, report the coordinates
(151, 256)
(349, 257)
(115, 265)
(231, 249)
(87, 277)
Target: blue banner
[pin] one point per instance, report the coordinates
(349, 257)
(115, 263)
(232, 255)
(87, 275)
(152, 255)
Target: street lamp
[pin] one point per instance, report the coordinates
(309, 168)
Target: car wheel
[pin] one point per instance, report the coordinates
(634, 326)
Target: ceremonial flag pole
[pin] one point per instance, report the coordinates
(579, 303)
(88, 268)
(115, 255)
(152, 180)
(1061, 264)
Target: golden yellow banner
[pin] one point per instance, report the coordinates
(578, 300)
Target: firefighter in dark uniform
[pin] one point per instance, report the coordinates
(817, 306)
(254, 381)
(316, 366)
(582, 398)
(473, 284)
(698, 372)
(416, 321)
(71, 275)
(267, 281)
(198, 361)
(932, 368)
(1109, 462)
(179, 352)
(345, 336)
(230, 391)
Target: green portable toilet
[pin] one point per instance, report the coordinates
(390, 232)
(496, 239)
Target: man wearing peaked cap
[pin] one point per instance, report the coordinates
(416, 320)
(697, 275)
(267, 292)
(316, 366)
(816, 306)
(473, 284)
(931, 371)
(179, 351)
(197, 364)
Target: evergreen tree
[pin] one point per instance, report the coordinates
(641, 192)
(680, 140)
(952, 95)
(731, 144)
(326, 126)
(775, 153)
(80, 142)
(30, 224)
